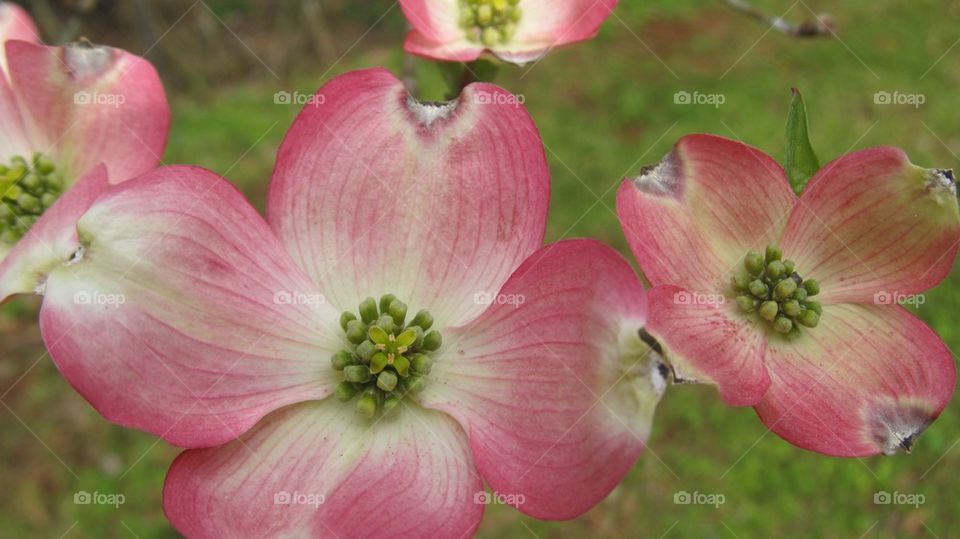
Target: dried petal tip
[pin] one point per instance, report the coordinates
(428, 112)
(941, 180)
(660, 179)
(85, 59)
(896, 428)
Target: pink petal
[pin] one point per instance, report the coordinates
(538, 380)
(459, 50)
(13, 136)
(183, 316)
(547, 24)
(52, 240)
(375, 193)
(871, 225)
(707, 340)
(691, 219)
(320, 470)
(91, 105)
(15, 23)
(868, 379)
(436, 31)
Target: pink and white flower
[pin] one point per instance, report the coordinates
(72, 116)
(849, 374)
(517, 31)
(239, 340)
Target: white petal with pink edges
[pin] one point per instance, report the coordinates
(870, 381)
(321, 470)
(556, 400)
(179, 315)
(375, 193)
(86, 105)
(51, 241)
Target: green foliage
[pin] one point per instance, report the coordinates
(800, 161)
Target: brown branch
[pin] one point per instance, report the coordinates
(821, 26)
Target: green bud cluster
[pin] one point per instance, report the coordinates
(491, 22)
(27, 189)
(775, 291)
(387, 357)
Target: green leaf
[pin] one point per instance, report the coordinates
(800, 162)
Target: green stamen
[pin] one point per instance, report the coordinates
(490, 22)
(27, 189)
(771, 287)
(386, 358)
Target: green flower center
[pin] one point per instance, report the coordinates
(772, 288)
(387, 357)
(491, 22)
(27, 189)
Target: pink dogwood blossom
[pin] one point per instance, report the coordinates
(517, 31)
(72, 117)
(475, 354)
(789, 304)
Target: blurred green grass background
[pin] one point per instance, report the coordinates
(604, 108)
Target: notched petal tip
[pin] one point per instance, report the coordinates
(895, 427)
(85, 59)
(941, 180)
(662, 179)
(426, 113)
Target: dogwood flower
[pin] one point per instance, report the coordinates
(72, 116)
(394, 337)
(789, 304)
(517, 31)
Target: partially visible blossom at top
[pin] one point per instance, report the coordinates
(15, 23)
(75, 119)
(394, 339)
(517, 31)
(790, 304)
